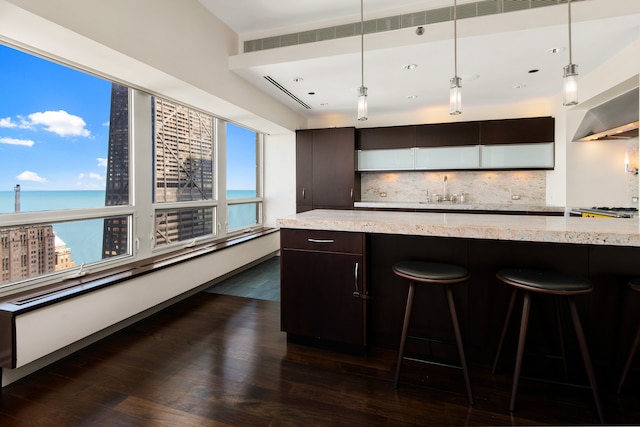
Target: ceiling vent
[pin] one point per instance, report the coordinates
(286, 92)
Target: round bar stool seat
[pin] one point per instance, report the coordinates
(432, 273)
(529, 281)
(634, 285)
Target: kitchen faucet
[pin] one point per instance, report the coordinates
(445, 194)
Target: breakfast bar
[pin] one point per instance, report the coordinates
(337, 276)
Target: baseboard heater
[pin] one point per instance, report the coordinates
(28, 334)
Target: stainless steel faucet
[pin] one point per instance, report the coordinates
(445, 194)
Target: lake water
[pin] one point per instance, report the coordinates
(84, 238)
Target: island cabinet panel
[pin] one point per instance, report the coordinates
(325, 175)
(448, 134)
(322, 281)
(386, 138)
(514, 131)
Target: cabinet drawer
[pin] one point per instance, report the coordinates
(322, 241)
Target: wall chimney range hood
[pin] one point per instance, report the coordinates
(612, 120)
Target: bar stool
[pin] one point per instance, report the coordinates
(531, 281)
(432, 273)
(633, 285)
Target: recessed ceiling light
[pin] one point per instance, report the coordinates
(412, 96)
(312, 93)
(298, 79)
(410, 66)
(535, 70)
(556, 50)
(522, 86)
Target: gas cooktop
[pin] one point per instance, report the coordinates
(605, 211)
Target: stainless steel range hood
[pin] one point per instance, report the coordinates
(614, 119)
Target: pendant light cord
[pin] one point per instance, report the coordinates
(362, 43)
(570, 55)
(455, 38)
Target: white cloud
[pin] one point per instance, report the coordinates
(60, 122)
(30, 176)
(7, 123)
(91, 175)
(102, 162)
(13, 141)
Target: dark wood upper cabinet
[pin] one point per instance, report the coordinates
(325, 175)
(304, 171)
(514, 131)
(448, 134)
(489, 132)
(386, 137)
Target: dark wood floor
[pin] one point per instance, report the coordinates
(221, 360)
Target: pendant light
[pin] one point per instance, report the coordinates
(362, 91)
(570, 85)
(455, 89)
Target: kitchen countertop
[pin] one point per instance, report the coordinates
(510, 207)
(552, 229)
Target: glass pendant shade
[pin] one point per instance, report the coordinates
(362, 104)
(455, 96)
(570, 85)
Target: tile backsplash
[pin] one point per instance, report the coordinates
(487, 187)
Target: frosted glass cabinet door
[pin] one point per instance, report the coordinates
(438, 158)
(517, 156)
(385, 160)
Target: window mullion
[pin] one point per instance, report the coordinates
(142, 166)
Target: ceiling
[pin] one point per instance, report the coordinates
(502, 58)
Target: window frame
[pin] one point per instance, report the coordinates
(141, 209)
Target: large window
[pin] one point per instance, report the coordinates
(64, 147)
(78, 156)
(244, 152)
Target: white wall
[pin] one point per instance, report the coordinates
(280, 181)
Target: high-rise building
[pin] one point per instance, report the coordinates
(183, 150)
(27, 251)
(63, 255)
(115, 238)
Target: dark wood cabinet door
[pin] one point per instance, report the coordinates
(387, 137)
(448, 134)
(514, 131)
(304, 170)
(317, 298)
(333, 168)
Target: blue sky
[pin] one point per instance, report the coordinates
(54, 129)
(53, 125)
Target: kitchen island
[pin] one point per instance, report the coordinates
(604, 250)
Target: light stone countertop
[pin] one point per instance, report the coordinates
(532, 228)
(512, 207)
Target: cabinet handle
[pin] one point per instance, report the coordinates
(351, 193)
(303, 193)
(356, 293)
(320, 240)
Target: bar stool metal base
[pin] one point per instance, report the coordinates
(540, 281)
(432, 273)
